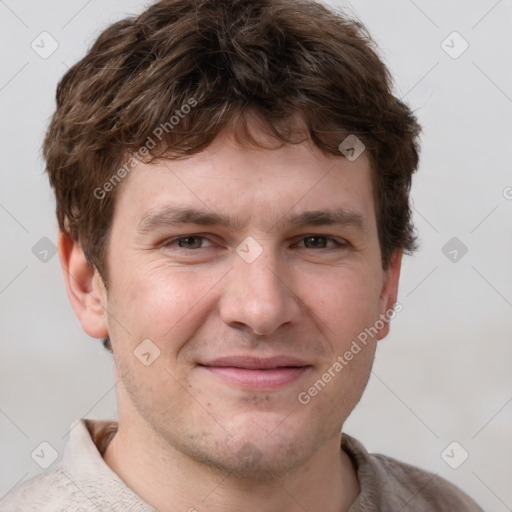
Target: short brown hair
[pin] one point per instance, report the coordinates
(229, 59)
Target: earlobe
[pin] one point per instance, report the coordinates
(389, 291)
(85, 288)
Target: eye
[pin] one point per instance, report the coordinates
(187, 242)
(320, 242)
(194, 242)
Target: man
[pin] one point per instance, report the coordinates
(232, 183)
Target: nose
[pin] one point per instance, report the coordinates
(259, 296)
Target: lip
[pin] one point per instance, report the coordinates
(262, 373)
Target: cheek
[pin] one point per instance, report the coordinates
(160, 302)
(350, 306)
(344, 300)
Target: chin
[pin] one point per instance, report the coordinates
(257, 461)
(262, 446)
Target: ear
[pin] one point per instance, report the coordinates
(389, 291)
(85, 288)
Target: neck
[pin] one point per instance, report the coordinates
(169, 480)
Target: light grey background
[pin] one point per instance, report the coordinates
(442, 375)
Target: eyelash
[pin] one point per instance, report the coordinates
(337, 243)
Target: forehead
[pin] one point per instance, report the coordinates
(229, 183)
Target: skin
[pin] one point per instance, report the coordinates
(181, 427)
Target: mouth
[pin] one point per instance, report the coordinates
(257, 373)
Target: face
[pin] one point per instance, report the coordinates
(251, 272)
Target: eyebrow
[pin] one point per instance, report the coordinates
(184, 215)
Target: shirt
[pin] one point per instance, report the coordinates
(83, 482)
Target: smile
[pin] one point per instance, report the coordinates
(257, 373)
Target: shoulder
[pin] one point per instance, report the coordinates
(80, 482)
(388, 484)
(424, 490)
(49, 491)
